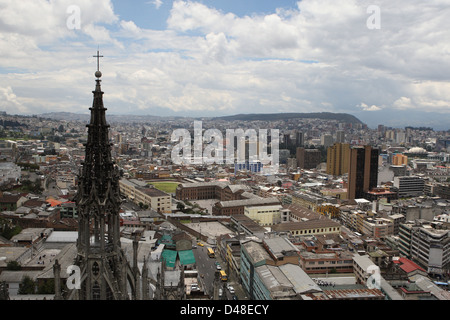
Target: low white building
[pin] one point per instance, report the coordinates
(264, 215)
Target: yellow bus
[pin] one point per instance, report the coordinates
(211, 253)
(223, 276)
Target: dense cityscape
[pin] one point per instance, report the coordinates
(351, 213)
(226, 157)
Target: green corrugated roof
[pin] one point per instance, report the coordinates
(166, 239)
(170, 257)
(186, 257)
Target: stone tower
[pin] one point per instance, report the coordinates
(105, 272)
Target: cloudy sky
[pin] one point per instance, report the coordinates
(384, 61)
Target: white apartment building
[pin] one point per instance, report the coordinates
(428, 243)
(264, 215)
(409, 186)
(378, 227)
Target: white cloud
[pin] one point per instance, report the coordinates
(156, 3)
(256, 36)
(9, 102)
(44, 23)
(403, 103)
(366, 107)
(131, 28)
(318, 56)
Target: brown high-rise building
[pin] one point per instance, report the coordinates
(308, 158)
(338, 157)
(363, 171)
(399, 159)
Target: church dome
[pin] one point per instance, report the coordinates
(417, 150)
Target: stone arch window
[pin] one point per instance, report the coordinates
(95, 269)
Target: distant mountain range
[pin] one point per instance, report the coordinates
(69, 116)
(342, 117)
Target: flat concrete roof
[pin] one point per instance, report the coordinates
(63, 236)
(279, 245)
(66, 257)
(17, 276)
(300, 280)
(247, 223)
(211, 229)
(31, 233)
(310, 224)
(10, 253)
(249, 202)
(256, 252)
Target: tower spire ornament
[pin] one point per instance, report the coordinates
(106, 273)
(98, 74)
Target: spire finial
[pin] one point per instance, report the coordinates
(98, 74)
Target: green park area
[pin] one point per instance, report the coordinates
(165, 186)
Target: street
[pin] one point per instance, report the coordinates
(207, 267)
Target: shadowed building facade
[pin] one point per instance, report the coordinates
(363, 171)
(308, 158)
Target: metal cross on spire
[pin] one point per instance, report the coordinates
(98, 74)
(98, 56)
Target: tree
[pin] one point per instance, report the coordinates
(181, 206)
(8, 232)
(13, 265)
(27, 286)
(47, 287)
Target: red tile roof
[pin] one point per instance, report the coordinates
(409, 266)
(53, 202)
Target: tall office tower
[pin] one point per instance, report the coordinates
(326, 140)
(400, 136)
(381, 130)
(338, 157)
(308, 158)
(340, 136)
(286, 140)
(105, 273)
(299, 138)
(362, 171)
